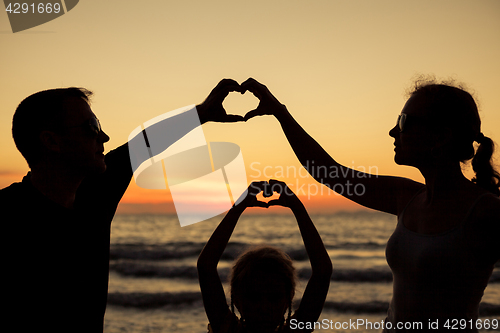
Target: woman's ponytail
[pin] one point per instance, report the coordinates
(486, 176)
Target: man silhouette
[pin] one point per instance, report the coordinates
(57, 220)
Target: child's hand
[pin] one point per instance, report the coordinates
(287, 197)
(250, 199)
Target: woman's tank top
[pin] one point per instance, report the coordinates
(437, 277)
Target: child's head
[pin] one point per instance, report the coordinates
(262, 286)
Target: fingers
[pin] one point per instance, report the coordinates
(268, 189)
(281, 188)
(253, 113)
(254, 87)
(269, 105)
(287, 197)
(278, 186)
(232, 118)
(258, 203)
(277, 202)
(228, 85)
(226, 82)
(267, 192)
(257, 187)
(252, 191)
(222, 89)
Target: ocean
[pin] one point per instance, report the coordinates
(153, 284)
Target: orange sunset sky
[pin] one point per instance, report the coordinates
(340, 67)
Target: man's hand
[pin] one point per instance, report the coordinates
(268, 105)
(212, 110)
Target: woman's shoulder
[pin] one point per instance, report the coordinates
(485, 224)
(484, 205)
(487, 207)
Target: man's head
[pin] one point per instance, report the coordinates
(58, 125)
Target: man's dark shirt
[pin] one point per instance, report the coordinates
(56, 260)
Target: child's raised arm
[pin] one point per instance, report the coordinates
(316, 290)
(212, 291)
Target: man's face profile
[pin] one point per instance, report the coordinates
(81, 146)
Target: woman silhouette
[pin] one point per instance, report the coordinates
(445, 245)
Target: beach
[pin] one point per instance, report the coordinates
(153, 283)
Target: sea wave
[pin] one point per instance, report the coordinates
(181, 250)
(153, 300)
(155, 252)
(188, 299)
(145, 269)
(137, 268)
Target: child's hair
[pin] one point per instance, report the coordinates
(264, 258)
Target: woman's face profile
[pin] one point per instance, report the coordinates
(413, 145)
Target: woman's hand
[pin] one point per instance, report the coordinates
(268, 105)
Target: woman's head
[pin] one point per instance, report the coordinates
(263, 286)
(451, 109)
(447, 120)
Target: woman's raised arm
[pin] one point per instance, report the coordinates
(385, 193)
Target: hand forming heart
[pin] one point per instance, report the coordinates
(286, 199)
(213, 110)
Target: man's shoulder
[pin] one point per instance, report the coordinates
(14, 201)
(13, 190)
(17, 194)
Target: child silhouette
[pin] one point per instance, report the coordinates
(263, 278)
